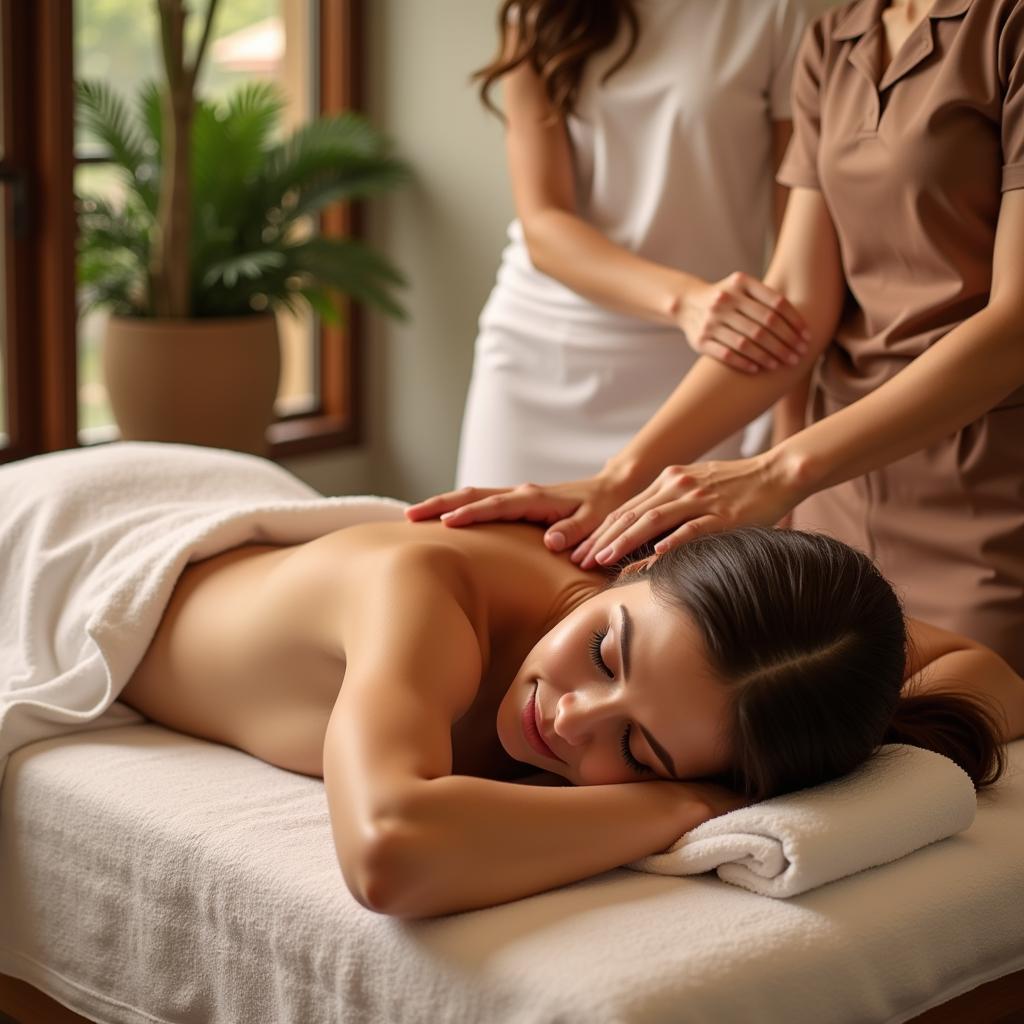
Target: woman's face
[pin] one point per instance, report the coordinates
(619, 691)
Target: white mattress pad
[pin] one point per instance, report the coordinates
(147, 877)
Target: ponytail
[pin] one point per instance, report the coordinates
(961, 726)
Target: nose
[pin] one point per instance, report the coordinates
(579, 712)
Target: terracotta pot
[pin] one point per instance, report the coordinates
(205, 381)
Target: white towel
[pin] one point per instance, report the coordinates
(901, 799)
(92, 542)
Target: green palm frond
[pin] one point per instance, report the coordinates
(248, 266)
(110, 283)
(150, 114)
(112, 255)
(105, 116)
(230, 143)
(255, 108)
(360, 180)
(350, 267)
(250, 192)
(103, 225)
(329, 146)
(212, 173)
(112, 278)
(320, 302)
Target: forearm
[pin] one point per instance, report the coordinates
(710, 403)
(789, 416)
(457, 843)
(713, 401)
(950, 385)
(567, 248)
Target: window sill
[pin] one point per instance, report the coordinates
(307, 434)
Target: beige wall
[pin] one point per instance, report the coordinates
(445, 231)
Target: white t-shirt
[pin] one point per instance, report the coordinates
(673, 160)
(673, 154)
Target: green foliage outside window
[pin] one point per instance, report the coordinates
(221, 221)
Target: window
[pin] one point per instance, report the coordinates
(307, 46)
(15, 439)
(7, 179)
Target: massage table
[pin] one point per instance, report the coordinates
(150, 877)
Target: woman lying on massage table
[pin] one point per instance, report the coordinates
(754, 662)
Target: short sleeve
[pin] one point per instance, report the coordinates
(791, 19)
(800, 165)
(1011, 77)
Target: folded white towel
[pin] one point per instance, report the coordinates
(901, 799)
(91, 544)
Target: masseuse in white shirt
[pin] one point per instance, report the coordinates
(643, 137)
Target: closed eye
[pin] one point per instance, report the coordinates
(627, 755)
(596, 639)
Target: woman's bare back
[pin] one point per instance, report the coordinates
(250, 650)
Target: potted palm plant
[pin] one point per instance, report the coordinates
(216, 232)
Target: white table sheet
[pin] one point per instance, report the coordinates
(147, 877)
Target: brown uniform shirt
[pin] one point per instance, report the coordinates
(912, 163)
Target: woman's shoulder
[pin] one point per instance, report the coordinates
(430, 539)
(815, 10)
(478, 559)
(484, 567)
(826, 16)
(827, 27)
(796, 15)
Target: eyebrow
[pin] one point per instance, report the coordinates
(625, 636)
(663, 754)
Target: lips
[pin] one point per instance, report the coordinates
(531, 728)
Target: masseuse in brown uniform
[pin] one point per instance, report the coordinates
(903, 247)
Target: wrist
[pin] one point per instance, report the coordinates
(625, 474)
(792, 470)
(673, 808)
(678, 291)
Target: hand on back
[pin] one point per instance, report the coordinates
(571, 510)
(602, 523)
(686, 502)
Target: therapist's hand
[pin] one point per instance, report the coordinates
(571, 510)
(743, 323)
(685, 502)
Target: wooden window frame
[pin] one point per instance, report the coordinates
(338, 420)
(39, 158)
(40, 276)
(13, 181)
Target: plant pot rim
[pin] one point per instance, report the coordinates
(181, 321)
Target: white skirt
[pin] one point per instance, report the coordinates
(551, 400)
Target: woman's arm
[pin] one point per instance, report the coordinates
(789, 412)
(959, 378)
(940, 660)
(731, 320)
(710, 403)
(782, 132)
(414, 840)
(460, 843)
(789, 416)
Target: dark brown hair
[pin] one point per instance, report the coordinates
(812, 641)
(557, 38)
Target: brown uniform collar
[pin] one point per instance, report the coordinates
(865, 13)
